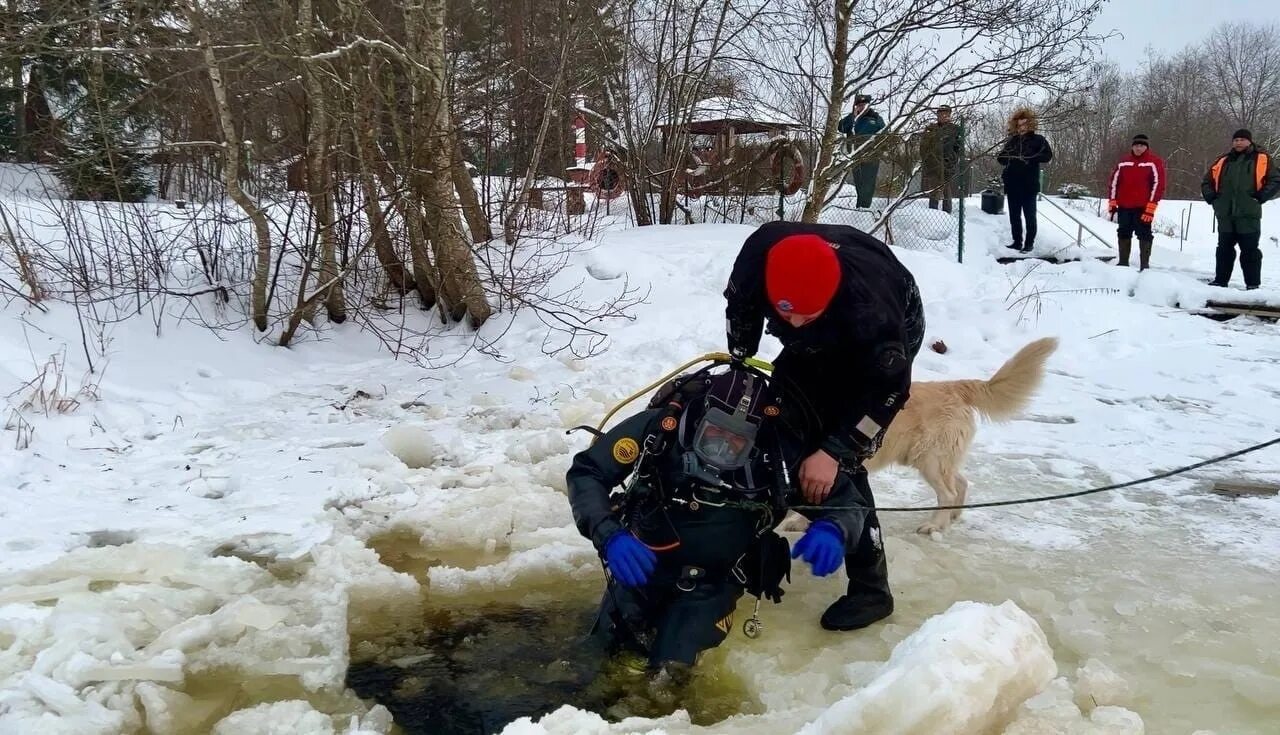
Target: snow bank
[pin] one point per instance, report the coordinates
(95, 641)
(964, 671)
(294, 716)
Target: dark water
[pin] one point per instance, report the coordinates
(475, 670)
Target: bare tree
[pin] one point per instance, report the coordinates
(916, 54)
(231, 169)
(1243, 63)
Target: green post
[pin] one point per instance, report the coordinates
(964, 192)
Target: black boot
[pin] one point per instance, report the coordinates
(867, 601)
(1015, 246)
(1126, 247)
(1144, 254)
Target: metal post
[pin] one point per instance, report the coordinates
(964, 190)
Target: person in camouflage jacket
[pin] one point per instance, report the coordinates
(941, 150)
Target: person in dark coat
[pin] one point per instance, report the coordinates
(941, 151)
(1237, 185)
(704, 483)
(1137, 186)
(1021, 156)
(849, 317)
(858, 127)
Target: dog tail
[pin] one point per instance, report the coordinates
(1001, 397)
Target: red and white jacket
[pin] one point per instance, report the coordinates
(1138, 181)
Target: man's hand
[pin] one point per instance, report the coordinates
(818, 476)
(1149, 213)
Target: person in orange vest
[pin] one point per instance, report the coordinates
(1137, 186)
(1237, 185)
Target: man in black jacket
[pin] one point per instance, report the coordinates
(692, 529)
(850, 320)
(1021, 156)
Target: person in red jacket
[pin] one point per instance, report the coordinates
(1137, 186)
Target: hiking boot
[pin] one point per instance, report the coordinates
(852, 612)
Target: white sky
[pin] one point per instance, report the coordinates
(1170, 25)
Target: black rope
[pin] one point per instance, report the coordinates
(1061, 496)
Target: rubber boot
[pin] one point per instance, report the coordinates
(1126, 246)
(1144, 254)
(1251, 260)
(1225, 258)
(868, 599)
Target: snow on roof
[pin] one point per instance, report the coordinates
(747, 116)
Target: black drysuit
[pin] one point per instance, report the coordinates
(710, 544)
(843, 377)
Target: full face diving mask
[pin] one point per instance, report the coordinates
(734, 407)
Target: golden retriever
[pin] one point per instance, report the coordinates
(933, 431)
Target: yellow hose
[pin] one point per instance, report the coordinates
(709, 357)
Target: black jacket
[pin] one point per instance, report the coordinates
(711, 537)
(1021, 158)
(860, 350)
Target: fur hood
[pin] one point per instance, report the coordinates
(1023, 112)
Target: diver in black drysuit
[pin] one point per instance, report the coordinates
(692, 529)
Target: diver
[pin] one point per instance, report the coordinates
(680, 500)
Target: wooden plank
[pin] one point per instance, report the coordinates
(1245, 489)
(1262, 311)
(1244, 305)
(1007, 259)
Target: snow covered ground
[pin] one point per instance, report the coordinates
(206, 508)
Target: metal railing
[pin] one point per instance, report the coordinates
(1081, 227)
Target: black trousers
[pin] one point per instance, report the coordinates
(1250, 257)
(1022, 204)
(1129, 222)
(808, 414)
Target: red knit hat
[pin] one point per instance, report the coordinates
(801, 274)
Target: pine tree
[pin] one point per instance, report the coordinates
(99, 158)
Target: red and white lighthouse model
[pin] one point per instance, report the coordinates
(580, 169)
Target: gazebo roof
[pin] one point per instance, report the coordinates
(714, 114)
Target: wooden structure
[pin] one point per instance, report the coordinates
(722, 164)
(1245, 489)
(1224, 310)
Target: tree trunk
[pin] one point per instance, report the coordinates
(410, 207)
(477, 222)
(20, 144)
(459, 288)
(363, 125)
(319, 179)
(231, 170)
(511, 227)
(823, 173)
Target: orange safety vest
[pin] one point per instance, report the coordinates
(1259, 171)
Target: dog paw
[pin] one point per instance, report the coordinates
(931, 526)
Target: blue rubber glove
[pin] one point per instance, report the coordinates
(630, 561)
(822, 546)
